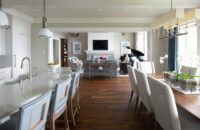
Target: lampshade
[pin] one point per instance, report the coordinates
(45, 32)
(171, 16)
(4, 22)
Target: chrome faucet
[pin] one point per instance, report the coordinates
(29, 61)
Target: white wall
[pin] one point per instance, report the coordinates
(157, 48)
(114, 41)
(21, 34)
(39, 48)
(100, 36)
(83, 38)
(198, 41)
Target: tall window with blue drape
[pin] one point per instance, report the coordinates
(172, 53)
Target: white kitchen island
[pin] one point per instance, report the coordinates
(13, 96)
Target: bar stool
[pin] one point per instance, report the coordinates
(59, 103)
(73, 98)
(31, 116)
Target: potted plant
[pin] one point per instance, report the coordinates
(166, 76)
(173, 78)
(187, 82)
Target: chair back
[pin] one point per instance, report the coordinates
(192, 71)
(133, 80)
(33, 115)
(143, 89)
(61, 95)
(146, 67)
(74, 83)
(164, 105)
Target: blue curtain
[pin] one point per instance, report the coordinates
(172, 53)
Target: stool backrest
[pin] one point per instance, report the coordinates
(61, 95)
(33, 115)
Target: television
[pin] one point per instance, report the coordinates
(100, 44)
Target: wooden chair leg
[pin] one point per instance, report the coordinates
(136, 104)
(131, 96)
(72, 113)
(52, 123)
(78, 100)
(66, 120)
(79, 95)
(140, 109)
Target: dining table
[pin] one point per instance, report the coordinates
(190, 103)
(13, 95)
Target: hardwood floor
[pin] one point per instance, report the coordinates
(105, 106)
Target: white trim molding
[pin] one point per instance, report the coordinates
(19, 14)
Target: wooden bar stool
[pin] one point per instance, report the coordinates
(73, 98)
(59, 103)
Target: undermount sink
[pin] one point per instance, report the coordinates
(17, 80)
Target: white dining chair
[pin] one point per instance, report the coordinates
(146, 67)
(31, 116)
(133, 82)
(165, 108)
(58, 105)
(73, 98)
(188, 70)
(143, 89)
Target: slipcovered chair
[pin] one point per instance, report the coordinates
(59, 103)
(74, 63)
(133, 82)
(31, 116)
(192, 71)
(165, 108)
(146, 67)
(73, 101)
(143, 89)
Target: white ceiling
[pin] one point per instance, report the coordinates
(138, 10)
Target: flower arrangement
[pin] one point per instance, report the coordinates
(101, 58)
(163, 58)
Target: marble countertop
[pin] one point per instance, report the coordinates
(12, 96)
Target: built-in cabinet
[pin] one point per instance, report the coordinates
(17, 46)
(64, 52)
(21, 31)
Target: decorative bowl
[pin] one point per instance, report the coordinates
(53, 67)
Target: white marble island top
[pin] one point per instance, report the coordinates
(12, 96)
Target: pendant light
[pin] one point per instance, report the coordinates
(44, 30)
(4, 22)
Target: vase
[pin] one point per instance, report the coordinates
(173, 79)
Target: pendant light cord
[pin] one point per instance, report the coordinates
(44, 8)
(171, 5)
(0, 4)
(44, 19)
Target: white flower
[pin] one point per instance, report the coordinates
(166, 56)
(161, 61)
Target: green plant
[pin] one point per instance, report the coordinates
(183, 76)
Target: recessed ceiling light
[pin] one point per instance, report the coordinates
(98, 10)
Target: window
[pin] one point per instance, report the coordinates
(187, 46)
(141, 43)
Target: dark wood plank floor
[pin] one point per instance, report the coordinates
(105, 106)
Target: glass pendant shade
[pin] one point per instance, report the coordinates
(45, 32)
(4, 22)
